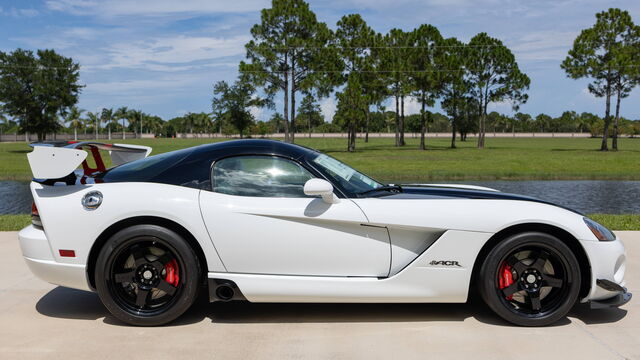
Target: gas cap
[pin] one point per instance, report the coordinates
(92, 200)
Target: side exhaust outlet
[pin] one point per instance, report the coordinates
(224, 290)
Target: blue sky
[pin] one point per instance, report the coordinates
(163, 56)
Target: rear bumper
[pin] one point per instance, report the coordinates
(37, 254)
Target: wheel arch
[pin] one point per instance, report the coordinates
(142, 220)
(566, 237)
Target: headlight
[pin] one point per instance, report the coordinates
(600, 232)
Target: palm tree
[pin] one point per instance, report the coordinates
(135, 117)
(107, 118)
(74, 120)
(188, 122)
(202, 122)
(121, 114)
(154, 123)
(93, 118)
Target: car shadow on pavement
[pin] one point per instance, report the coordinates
(62, 302)
(68, 303)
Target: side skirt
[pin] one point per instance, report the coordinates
(441, 274)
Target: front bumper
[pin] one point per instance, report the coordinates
(39, 258)
(607, 260)
(622, 297)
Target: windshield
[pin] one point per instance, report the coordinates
(350, 179)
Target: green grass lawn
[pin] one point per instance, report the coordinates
(14, 222)
(614, 222)
(504, 158)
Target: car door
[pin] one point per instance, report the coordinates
(261, 222)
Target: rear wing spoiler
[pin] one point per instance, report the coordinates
(57, 159)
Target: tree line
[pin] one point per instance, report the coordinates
(292, 54)
(311, 120)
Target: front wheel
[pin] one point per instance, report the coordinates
(530, 279)
(147, 275)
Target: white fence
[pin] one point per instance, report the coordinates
(67, 137)
(392, 135)
(118, 136)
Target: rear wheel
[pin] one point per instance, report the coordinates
(147, 275)
(530, 279)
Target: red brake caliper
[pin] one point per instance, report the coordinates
(506, 277)
(172, 276)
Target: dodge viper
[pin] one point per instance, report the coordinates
(267, 221)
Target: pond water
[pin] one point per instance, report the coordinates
(587, 196)
(15, 197)
(590, 196)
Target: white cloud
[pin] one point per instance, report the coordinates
(504, 106)
(152, 54)
(150, 8)
(155, 85)
(257, 113)
(328, 108)
(543, 45)
(411, 106)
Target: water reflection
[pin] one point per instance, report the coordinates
(588, 196)
(15, 197)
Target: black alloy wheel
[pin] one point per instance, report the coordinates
(530, 279)
(147, 275)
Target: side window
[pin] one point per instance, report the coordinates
(260, 176)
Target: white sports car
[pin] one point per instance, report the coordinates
(266, 221)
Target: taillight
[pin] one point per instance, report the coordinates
(35, 215)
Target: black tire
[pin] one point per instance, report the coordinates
(147, 275)
(540, 279)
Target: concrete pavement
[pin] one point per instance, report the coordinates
(43, 321)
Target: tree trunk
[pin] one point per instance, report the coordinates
(481, 124)
(109, 129)
(454, 121)
(607, 119)
(453, 134)
(367, 116)
(614, 143)
(402, 143)
(397, 120)
(75, 133)
(352, 143)
(286, 106)
(423, 122)
(309, 126)
(292, 137)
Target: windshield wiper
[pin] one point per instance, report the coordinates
(390, 188)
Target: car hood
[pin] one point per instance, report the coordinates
(414, 191)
